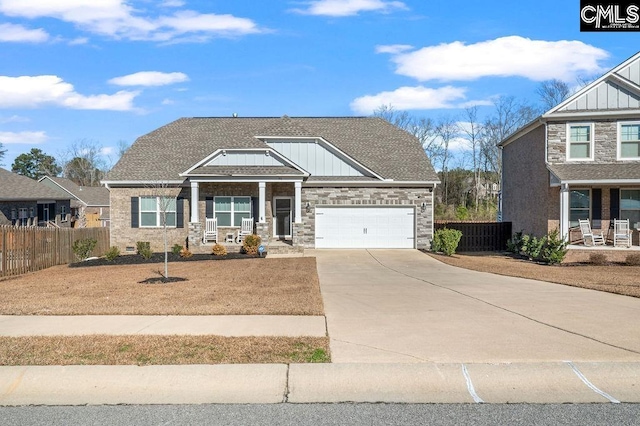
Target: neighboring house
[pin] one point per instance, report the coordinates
(579, 160)
(313, 182)
(89, 204)
(25, 202)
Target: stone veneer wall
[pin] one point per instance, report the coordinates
(605, 133)
(350, 196)
(123, 235)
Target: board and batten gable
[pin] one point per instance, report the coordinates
(314, 157)
(527, 199)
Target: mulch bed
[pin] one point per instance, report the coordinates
(136, 259)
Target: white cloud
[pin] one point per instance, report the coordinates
(503, 57)
(116, 18)
(18, 33)
(14, 119)
(409, 98)
(172, 3)
(394, 49)
(30, 138)
(167, 101)
(42, 90)
(150, 78)
(107, 150)
(341, 8)
(79, 41)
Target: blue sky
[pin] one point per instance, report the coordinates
(113, 70)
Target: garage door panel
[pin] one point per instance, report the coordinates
(365, 227)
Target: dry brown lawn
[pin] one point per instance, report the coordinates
(612, 278)
(161, 350)
(286, 286)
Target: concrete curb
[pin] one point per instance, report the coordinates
(555, 382)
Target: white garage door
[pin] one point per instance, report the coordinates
(365, 227)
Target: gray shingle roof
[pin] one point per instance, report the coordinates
(170, 150)
(89, 195)
(596, 172)
(14, 187)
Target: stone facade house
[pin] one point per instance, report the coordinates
(89, 204)
(25, 202)
(579, 160)
(306, 182)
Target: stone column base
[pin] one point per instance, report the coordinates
(195, 234)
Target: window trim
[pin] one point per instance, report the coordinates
(619, 156)
(590, 208)
(158, 212)
(232, 211)
(591, 141)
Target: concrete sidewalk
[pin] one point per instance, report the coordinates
(554, 382)
(221, 325)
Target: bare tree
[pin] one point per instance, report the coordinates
(552, 92)
(165, 198)
(472, 131)
(84, 163)
(447, 129)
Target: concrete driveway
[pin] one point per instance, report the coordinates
(403, 306)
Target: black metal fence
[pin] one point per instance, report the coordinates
(479, 236)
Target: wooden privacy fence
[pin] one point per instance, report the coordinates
(479, 236)
(28, 249)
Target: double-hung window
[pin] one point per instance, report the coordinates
(231, 210)
(579, 141)
(629, 141)
(22, 216)
(154, 209)
(630, 206)
(579, 205)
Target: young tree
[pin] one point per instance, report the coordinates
(35, 164)
(166, 199)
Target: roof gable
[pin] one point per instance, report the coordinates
(617, 90)
(89, 195)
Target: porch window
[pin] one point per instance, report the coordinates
(629, 141)
(630, 205)
(152, 210)
(22, 216)
(231, 210)
(579, 205)
(580, 142)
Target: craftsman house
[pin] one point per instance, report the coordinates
(25, 202)
(89, 204)
(579, 160)
(351, 182)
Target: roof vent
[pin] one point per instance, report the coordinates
(235, 115)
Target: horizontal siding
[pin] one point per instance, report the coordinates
(244, 159)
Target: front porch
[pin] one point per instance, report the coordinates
(275, 209)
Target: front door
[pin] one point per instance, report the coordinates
(282, 215)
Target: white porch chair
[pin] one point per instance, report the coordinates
(587, 232)
(246, 229)
(210, 230)
(621, 233)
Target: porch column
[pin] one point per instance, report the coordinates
(564, 211)
(298, 202)
(262, 191)
(195, 195)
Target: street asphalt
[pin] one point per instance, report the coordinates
(404, 328)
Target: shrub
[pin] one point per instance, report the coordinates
(251, 243)
(633, 259)
(514, 245)
(446, 241)
(554, 248)
(142, 246)
(83, 248)
(112, 253)
(176, 249)
(185, 253)
(597, 259)
(219, 250)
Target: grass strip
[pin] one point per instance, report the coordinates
(161, 350)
